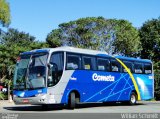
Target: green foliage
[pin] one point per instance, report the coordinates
(3, 96)
(150, 39)
(53, 38)
(4, 13)
(111, 35)
(127, 39)
(157, 74)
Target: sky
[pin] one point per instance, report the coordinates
(40, 17)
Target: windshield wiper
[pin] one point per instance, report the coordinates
(29, 83)
(35, 88)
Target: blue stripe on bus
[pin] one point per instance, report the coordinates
(145, 85)
(133, 59)
(29, 93)
(35, 51)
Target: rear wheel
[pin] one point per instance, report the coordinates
(133, 99)
(72, 101)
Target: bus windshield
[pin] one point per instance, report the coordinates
(30, 71)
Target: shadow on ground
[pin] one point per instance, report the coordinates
(57, 107)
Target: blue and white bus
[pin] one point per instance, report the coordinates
(67, 75)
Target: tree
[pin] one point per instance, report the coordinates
(127, 39)
(4, 13)
(157, 74)
(150, 39)
(111, 35)
(12, 44)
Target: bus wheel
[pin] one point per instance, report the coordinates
(72, 101)
(44, 107)
(133, 99)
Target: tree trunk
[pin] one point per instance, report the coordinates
(9, 95)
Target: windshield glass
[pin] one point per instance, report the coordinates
(30, 71)
(20, 72)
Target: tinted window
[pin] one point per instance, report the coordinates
(103, 64)
(57, 59)
(73, 62)
(56, 69)
(88, 63)
(138, 68)
(115, 66)
(129, 66)
(147, 68)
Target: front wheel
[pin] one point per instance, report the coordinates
(72, 101)
(133, 99)
(44, 107)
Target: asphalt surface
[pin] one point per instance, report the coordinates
(89, 111)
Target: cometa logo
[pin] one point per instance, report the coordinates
(97, 77)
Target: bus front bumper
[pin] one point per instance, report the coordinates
(32, 100)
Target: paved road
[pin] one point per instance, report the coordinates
(143, 107)
(103, 110)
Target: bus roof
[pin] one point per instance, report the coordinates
(133, 59)
(45, 50)
(67, 49)
(83, 51)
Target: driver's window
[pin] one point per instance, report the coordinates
(56, 68)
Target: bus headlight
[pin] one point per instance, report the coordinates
(14, 96)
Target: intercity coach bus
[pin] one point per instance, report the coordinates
(67, 75)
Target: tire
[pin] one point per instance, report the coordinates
(44, 107)
(77, 100)
(72, 101)
(133, 99)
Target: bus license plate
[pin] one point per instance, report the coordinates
(25, 101)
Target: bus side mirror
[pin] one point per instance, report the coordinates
(53, 67)
(49, 66)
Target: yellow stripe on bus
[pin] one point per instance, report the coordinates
(133, 80)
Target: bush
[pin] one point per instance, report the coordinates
(157, 94)
(3, 96)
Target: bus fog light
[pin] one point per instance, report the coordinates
(42, 100)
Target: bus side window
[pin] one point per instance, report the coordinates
(129, 66)
(103, 64)
(73, 62)
(57, 68)
(138, 68)
(147, 68)
(115, 66)
(88, 63)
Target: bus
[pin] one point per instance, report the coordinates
(70, 76)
